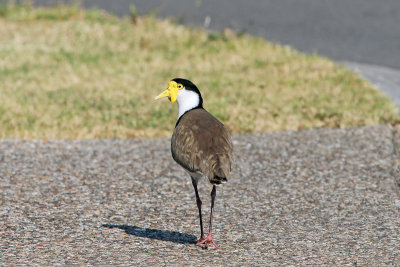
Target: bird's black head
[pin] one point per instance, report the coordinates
(189, 86)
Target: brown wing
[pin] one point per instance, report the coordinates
(202, 143)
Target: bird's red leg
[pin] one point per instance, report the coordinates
(198, 201)
(209, 239)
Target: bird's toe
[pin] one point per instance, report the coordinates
(206, 241)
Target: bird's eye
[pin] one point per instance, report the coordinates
(180, 86)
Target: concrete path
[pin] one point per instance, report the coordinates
(386, 79)
(324, 196)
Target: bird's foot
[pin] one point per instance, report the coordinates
(206, 241)
(200, 241)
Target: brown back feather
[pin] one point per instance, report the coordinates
(202, 143)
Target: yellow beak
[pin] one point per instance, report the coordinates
(171, 92)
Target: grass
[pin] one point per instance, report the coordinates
(68, 73)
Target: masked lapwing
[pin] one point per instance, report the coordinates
(200, 143)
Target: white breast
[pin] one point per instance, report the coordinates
(187, 100)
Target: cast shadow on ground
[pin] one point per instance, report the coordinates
(163, 235)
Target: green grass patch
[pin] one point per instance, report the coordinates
(70, 73)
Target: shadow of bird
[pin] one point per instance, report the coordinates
(163, 235)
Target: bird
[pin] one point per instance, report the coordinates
(200, 143)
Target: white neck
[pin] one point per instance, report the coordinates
(187, 100)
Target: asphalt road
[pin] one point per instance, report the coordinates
(318, 197)
(362, 34)
(365, 31)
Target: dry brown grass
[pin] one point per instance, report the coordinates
(66, 73)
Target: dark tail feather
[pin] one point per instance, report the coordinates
(218, 180)
(220, 171)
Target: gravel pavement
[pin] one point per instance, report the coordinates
(310, 197)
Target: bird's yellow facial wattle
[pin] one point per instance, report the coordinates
(171, 92)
